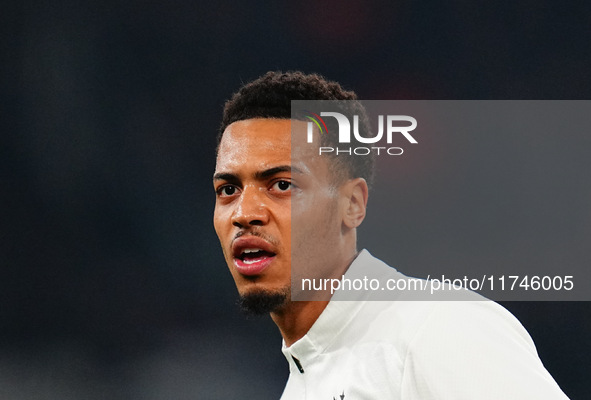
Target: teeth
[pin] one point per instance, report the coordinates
(246, 251)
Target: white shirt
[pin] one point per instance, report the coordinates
(362, 350)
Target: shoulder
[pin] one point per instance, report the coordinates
(467, 348)
(408, 322)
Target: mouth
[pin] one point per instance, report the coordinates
(252, 255)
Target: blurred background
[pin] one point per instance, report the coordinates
(112, 284)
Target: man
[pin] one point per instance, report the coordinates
(280, 204)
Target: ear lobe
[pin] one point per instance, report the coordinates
(357, 193)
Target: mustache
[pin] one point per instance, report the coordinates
(257, 233)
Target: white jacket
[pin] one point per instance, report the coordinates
(415, 350)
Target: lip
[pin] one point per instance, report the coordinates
(254, 267)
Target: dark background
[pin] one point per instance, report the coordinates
(112, 284)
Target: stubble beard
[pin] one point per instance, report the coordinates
(264, 301)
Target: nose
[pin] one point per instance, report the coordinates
(251, 209)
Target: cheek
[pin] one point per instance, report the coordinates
(316, 225)
(315, 239)
(221, 222)
(217, 223)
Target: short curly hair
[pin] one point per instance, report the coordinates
(270, 96)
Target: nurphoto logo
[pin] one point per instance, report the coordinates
(394, 124)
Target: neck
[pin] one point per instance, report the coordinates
(296, 318)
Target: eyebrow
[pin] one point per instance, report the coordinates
(226, 176)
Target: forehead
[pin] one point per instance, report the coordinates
(262, 143)
(265, 139)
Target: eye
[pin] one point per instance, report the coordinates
(282, 186)
(227, 190)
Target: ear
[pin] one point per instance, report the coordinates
(355, 192)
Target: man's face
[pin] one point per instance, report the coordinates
(260, 186)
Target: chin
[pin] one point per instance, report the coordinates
(260, 300)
